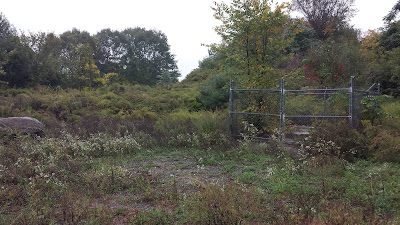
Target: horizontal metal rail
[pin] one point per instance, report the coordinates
(309, 90)
(254, 137)
(321, 93)
(368, 92)
(314, 116)
(318, 93)
(258, 114)
(270, 90)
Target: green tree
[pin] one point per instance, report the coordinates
(16, 57)
(389, 63)
(47, 58)
(148, 56)
(111, 49)
(304, 40)
(391, 36)
(389, 72)
(7, 40)
(19, 66)
(137, 54)
(78, 63)
(49, 70)
(6, 28)
(254, 40)
(391, 16)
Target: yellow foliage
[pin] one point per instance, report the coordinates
(111, 77)
(371, 49)
(100, 80)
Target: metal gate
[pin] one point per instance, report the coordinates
(282, 113)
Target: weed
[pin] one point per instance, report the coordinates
(153, 217)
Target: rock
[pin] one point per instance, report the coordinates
(21, 125)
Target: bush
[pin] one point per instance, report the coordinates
(338, 139)
(382, 128)
(372, 108)
(384, 143)
(230, 204)
(214, 93)
(391, 115)
(201, 129)
(386, 147)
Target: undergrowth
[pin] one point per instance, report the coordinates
(106, 179)
(111, 157)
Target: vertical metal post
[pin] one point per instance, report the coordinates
(379, 88)
(283, 102)
(231, 87)
(325, 102)
(351, 102)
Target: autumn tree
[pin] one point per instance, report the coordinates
(255, 37)
(78, 63)
(332, 62)
(331, 51)
(372, 53)
(381, 52)
(325, 16)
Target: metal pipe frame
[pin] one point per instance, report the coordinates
(282, 103)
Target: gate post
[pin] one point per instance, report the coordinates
(282, 112)
(379, 88)
(231, 87)
(351, 102)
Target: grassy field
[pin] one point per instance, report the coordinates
(131, 154)
(110, 180)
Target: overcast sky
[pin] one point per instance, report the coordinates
(187, 23)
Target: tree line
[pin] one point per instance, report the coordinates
(77, 59)
(261, 43)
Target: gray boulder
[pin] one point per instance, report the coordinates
(21, 125)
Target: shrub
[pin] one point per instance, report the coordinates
(372, 109)
(201, 129)
(383, 128)
(385, 146)
(214, 92)
(230, 204)
(391, 117)
(337, 139)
